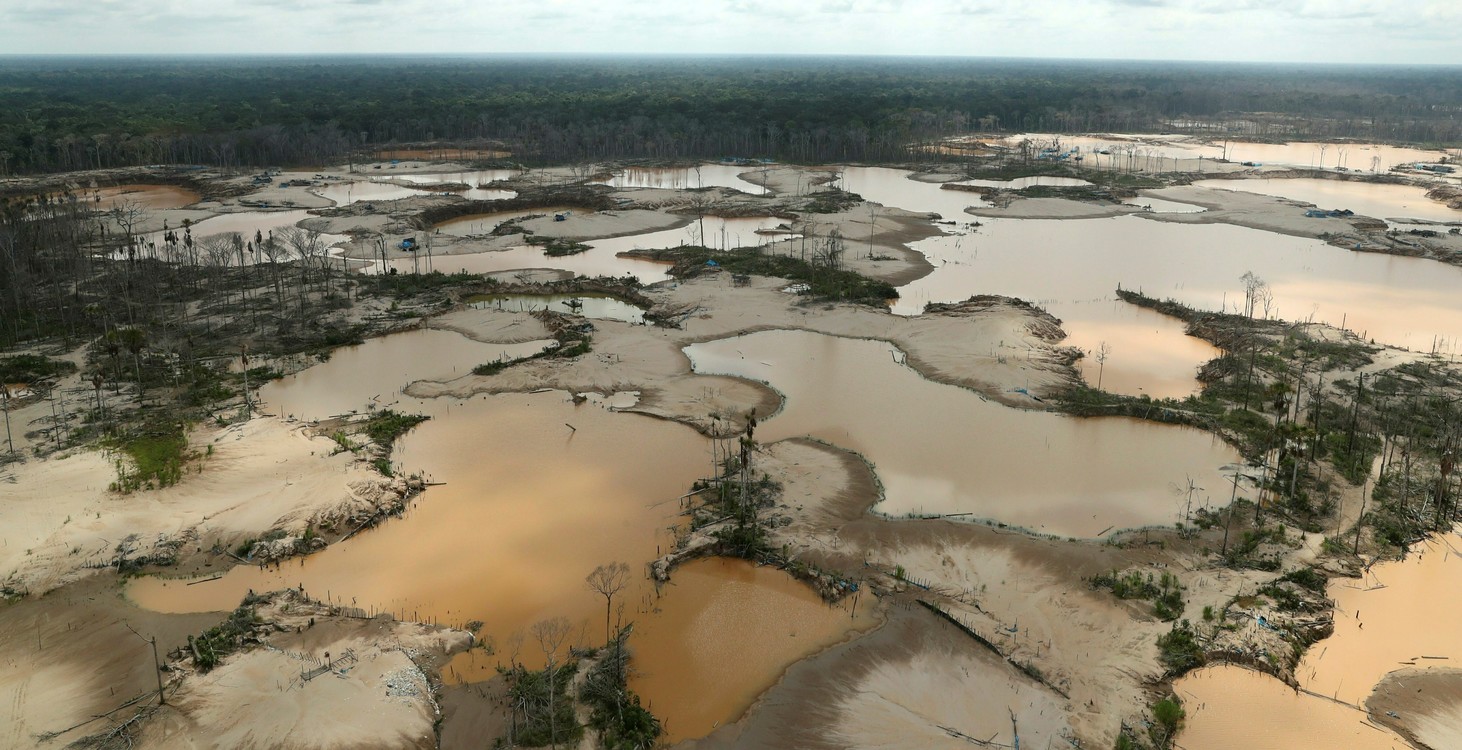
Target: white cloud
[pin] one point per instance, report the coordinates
(1400, 31)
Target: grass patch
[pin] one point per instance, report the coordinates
(29, 368)
(822, 282)
(216, 643)
(157, 458)
(1178, 649)
(385, 426)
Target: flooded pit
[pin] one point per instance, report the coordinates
(1376, 200)
(686, 178)
(357, 191)
(247, 224)
(473, 179)
(943, 450)
(1233, 707)
(893, 188)
(1072, 268)
(722, 633)
(1025, 182)
(152, 197)
(1390, 619)
(372, 375)
(529, 507)
(1151, 151)
(592, 306)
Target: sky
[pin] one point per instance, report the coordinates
(1304, 31)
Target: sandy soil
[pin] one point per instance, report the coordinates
(1054, 208)
(949, 347)
(787, 180)
(377, 694)
(1252, 210)
(915, 682)
(260, 475)
(597, 225)
(876, 241)
(1424, 706)
(68, 656)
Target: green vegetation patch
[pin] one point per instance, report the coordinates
(29, 368)
(384, 427)
(157, 455)
(823, 282)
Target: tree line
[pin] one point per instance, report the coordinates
(63, 114)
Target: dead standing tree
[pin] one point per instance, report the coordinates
(550, 635)
(607, 581)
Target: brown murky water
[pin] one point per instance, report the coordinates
(154, 197)
(1073, 267)
(1377, 201)
(722, 633)
(893, 188)
(529, 507)
(372, 375)
(245, 223)
(474, 179)
(1148, 152)
(940, 449)
(1025, 182)
(1393, 617)
(356, 191)
(1232, 707)
(1149, 353)
(686, 178)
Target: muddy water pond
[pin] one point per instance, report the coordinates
(372, 375)
(1148, 151)
(893, 188)
(1378, 201)
(1233, 707)
(529, 507)
(1394, 617)
(1073, 268)
(1025, 182)
(602, 259)
(154, 197)
(245, 223)
(595, 307)
(475, 180)
(356, 191)
(722, 633)
(686, 178)
(940, 449)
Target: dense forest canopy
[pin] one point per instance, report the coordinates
(66, 113)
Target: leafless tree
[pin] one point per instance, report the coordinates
(606, 581)
(550, 635)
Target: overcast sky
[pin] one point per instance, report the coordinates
(1357, 31)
